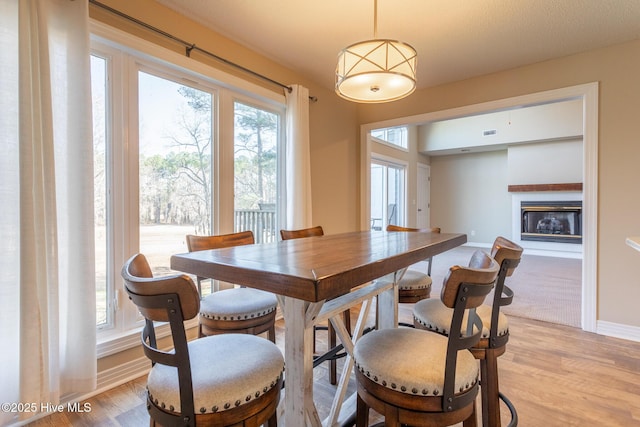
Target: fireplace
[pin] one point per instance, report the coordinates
(551, 221)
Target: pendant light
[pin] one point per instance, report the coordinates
(378, 70)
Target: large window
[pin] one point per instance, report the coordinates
(164, 138)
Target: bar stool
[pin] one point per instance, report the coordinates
(346, 315)
(222, 380)
(238, 310)
(418, 378)
(435, 316)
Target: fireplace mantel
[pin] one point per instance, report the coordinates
(572, 186)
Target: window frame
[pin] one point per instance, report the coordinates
(391, 144)
(281, 158)
(397, 164)
(127, 55)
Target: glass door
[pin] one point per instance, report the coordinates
(387, 194)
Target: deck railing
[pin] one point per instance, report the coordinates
(261, 221)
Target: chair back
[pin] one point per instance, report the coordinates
(303, 232)
(139, 280)
(392, 227)
(465, 289)
(476, 281)
(172, 299)
(201, 243)
(508, 255)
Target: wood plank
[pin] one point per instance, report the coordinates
(317, 269)
(572, 186)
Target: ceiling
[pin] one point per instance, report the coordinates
(455, 39)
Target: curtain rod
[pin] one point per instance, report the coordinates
(189, 47)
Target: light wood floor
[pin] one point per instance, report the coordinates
(555, 376)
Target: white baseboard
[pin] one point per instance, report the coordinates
(616, 330)
(529, 251)
(121, 374)
(114, 377)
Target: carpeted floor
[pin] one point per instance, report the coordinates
(545, 288)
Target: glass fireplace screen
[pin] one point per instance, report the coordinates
(551, 221)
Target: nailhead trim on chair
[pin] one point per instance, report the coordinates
(424, 391)
(412, 280)
(216, 408)
(405, 374)
(247, 304)
(415, 280)
(435, 316)
(251, 373)
(240, 317)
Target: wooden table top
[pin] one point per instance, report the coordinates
(317, 268)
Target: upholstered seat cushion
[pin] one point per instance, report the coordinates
(238, 304)
(411, 279)
(412, 361)
(436, 316)
(228, 370)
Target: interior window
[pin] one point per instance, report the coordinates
(393, 135)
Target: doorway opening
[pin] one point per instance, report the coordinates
(588, 93)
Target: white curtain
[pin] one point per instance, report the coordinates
(47, 283)
(298, 159)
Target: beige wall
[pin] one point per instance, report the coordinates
(335, 165)
(616, 69)
(476, 201)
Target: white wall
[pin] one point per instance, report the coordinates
(558, 162)
(496, 130)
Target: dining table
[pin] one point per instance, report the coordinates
(315, 280)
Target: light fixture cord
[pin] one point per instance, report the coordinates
(375, 19)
